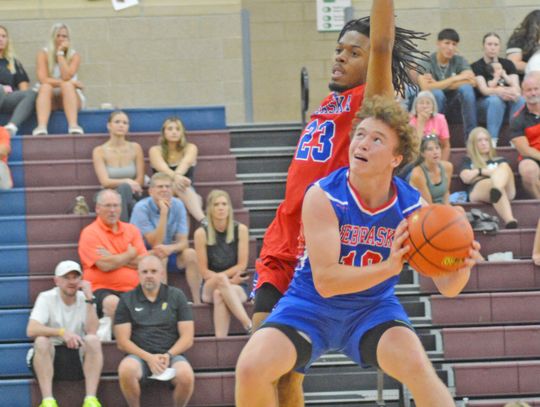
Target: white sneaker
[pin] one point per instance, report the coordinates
(11, 128)
(40, 131)
(75, 130)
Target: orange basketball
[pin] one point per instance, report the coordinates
(440, 237)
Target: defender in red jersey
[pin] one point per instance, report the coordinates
(372, 57)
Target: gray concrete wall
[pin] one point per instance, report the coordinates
(188, 52)
(161, 53)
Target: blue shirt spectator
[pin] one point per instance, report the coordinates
(163, 223)
(146, 216)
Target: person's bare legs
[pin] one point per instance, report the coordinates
(70, 102)
(233, 296)
(44, 104)
(530, 176)
(129, 374)
(222, 316)
(480, 193)
(289, 386)
(400, 354)
(192, 201)
(267, 356)
(183, 383)
(93, 363)
(110, 302)
(188, 260)
(43, 364)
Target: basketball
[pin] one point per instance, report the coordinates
(440, 237)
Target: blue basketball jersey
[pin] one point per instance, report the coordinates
(366, 238)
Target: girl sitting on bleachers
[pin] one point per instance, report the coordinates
(119, 163)
(58, 87)
(490, 178)
(432, 175)
(222, 250)
(175, 156)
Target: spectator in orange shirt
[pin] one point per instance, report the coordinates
(5, 148)
(110, 251)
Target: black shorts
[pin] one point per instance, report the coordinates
(266, 297)
(368, 344)
(100, 295)
(67, 363)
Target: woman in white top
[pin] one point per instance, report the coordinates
(57, 67)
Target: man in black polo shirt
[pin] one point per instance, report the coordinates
(525, 128)
(154, 326)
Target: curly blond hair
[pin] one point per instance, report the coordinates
(393, 115)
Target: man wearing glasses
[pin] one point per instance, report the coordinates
(110, 251)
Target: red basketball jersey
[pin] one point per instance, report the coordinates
(323, 147)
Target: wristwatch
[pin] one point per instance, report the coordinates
(90, 301)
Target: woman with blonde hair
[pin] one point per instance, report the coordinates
(119, 163)
(490, 178)
(57, 66)
(222, 250)
(16, 97)
(426, 120)
(176, 157)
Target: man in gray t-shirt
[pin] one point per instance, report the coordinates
(450, 78)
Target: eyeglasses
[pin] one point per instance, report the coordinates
(110, 206)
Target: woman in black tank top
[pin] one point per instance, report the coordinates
(176, 157)
(222, 251)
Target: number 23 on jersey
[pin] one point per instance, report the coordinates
(317, 142)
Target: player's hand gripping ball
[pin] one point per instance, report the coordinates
(440, 237)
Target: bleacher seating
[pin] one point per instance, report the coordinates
(39, 230)
(484, 343)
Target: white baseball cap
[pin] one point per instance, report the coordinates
(67, 266)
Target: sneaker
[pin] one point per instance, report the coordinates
(11, 128)
(40, 131)
(75, 130)
(91, 401)
(49, 403)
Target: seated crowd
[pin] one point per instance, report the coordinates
(126, 253)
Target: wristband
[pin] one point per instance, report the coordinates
(61, 332)
(170, 355)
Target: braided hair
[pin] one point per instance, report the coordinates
(405, 55)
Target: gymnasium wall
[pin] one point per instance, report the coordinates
(189, 52)
(161, 53)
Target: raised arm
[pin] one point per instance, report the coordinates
(381, 39)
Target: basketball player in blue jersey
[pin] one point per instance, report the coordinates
(372, 57)
(342, 295)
